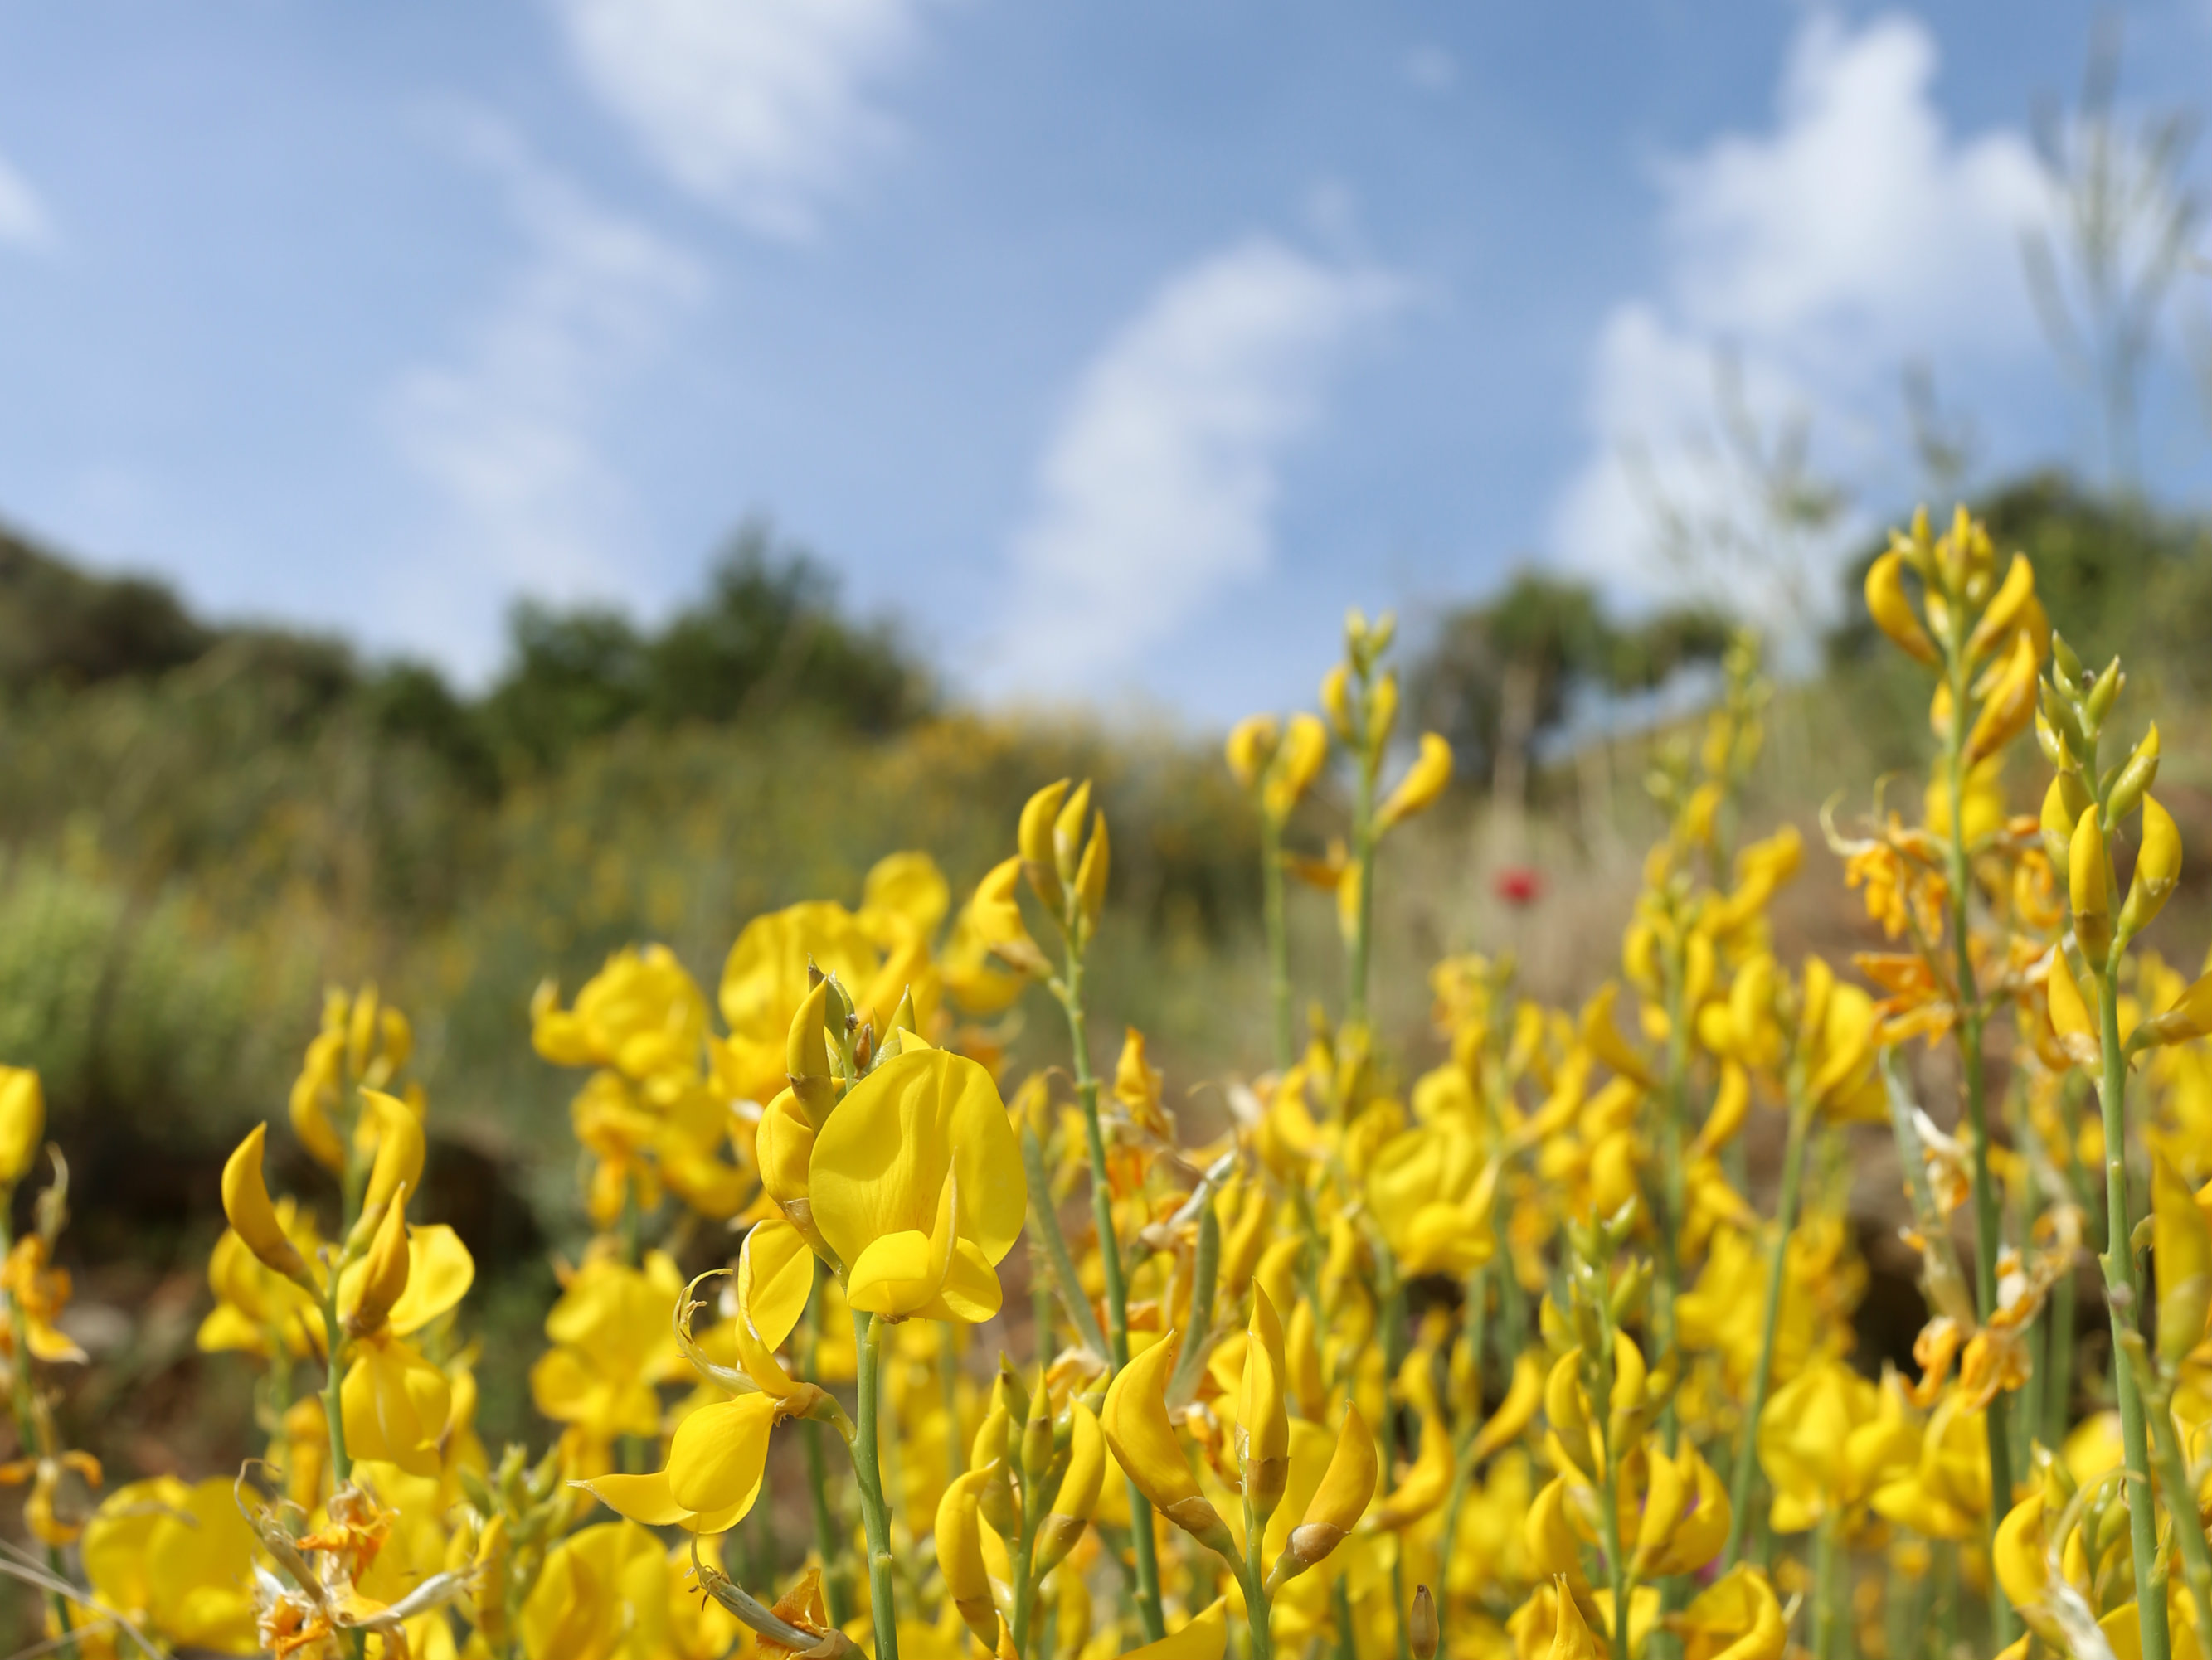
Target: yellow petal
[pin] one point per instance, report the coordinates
(253, 1217)
(644, 1499)
(398, 1149)
(439, 1274)
(775, 1276)
(22, 1121)
(1205, 1638)
(1418, 791)
(1135, 1421)
(879, 1165)
(719, 1453)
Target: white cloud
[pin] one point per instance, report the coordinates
(1823, 255)
(764, 107)
(1156, 490)
(509, 434)
(24, 220)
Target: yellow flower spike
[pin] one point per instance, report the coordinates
(1067, 831)
(1263, 1418)
(22, 1122)
(1205, 1638)
(2088, 881)
(997, 916)
(1892, 608)
(881, 1184)
(2010, 706)
(1091, 877)
(1297, 763)
(1571, 1639)
(1252, 744)
(253, 1217)
(1737, 1617)
(1347, 1486)
(2006, 608)
(384, 1280)
(2181, 1248)
(806, 1057)
(1515, 1413)
(1418, 790)
(1077, 1501)
(960, 1556)
(1134, 1419)
(2158, 868)
(399, 1151)
(1033, 837)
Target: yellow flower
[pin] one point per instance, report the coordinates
(1205, 1638)
(960, 1556)
(1418, 791)
(253, 1217)
(1346, 1487)
(612, 1345)
(603, 1595)
(916, 1183)
(1827, 1439)
(396, 1404)
(1430, 1189)
(1135, 1422)
(1737, 1615)
(764, 980)
(641, 1015)
(176, 1560)
(22, 1122)
(1944, 1494)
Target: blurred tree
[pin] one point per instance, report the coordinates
(1499, 677)
(60, 624)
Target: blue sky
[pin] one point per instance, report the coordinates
(1113, 350)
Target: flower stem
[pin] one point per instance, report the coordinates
(2119, 1278)
(875, 1513)
(1363, 859)
(1256, 1616)
(1785, 1217)
(1828, 1574)
(2181, 1506)
(1141, 1541)
(29, 1441)
(1988, 1239)
(333, 1379)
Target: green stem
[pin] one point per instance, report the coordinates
(1064, 1279)
(1024, 1587)
(1278, 941)
(1142, 1541)
(836, 1594)
(334, 1343)
(875, 1513)
(1987, 1236)
(1256, 1612)
(2120, 1277)
(2181, 1506)
(1362, 857)
(2058, 1388)
(1827, 1571)
(1785, 1218)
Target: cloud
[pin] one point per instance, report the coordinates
(764, 107)
(24, 221)
(1156, 490)
(1818, 257)
(510, 434)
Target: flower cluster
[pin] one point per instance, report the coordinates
(1508, 1355)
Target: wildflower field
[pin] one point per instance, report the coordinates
(922, 1310)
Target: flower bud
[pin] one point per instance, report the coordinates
(22, 1122)
(2098, 703)
(1033, 838)
(399, 1151)
(1091, 878)
(1263, 1422)
(1077, 1501)
(806, 1056)
(252, 1218)
(2135, 779)
(1252, 743)
(2158, 868)
(2010, 705)
(2069, 665)
(1067, 831)
(1297, 763)
(384, 1279)
(960, 1557)
(1336, 698)
(1892, 608)
(1382, 712)
(2063, 803)
(1421, 1633)
(1418, 791)
(2089, 880)
(1346, 1486)
(2006, 607)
